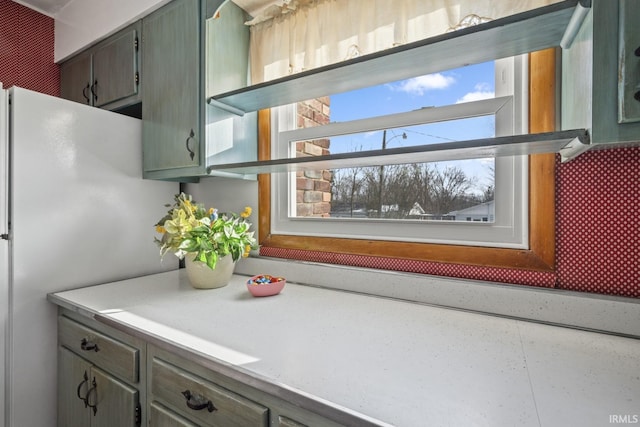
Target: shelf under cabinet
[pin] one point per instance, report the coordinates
(567, 143)
(537, 29)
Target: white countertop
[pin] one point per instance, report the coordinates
(400, 363)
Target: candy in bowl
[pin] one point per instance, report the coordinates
(264, 285)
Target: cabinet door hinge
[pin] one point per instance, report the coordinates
(4, 236)
(135, 44)
(137, 78)
(138, 415)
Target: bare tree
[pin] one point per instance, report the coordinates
(346, 185)
(489, 192)
(438, 191)
(448, 187)
(400, 190)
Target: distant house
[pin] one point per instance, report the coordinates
(484, 212)
(418, 211)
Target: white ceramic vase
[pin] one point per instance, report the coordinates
(202, 277)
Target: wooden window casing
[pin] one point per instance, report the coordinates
(541, 253)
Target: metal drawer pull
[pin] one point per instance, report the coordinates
(191, 152)
(197, 402)
(94, 87)
(94, 390)
(88, 345)
(83, 382)
(84, 93)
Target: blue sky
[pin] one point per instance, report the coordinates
(448, 87)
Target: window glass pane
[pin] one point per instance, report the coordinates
(443, 191)
(459, 190)
(451, 191)
(433, 133)
(464, 84)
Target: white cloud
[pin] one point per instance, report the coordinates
(482, 91)
(419, 85)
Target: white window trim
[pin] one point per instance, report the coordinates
(510, 229)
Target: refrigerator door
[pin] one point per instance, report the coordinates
(81, 214)
(4, 243)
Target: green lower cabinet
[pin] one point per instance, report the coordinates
(288, 422)
(90, 397)
(101, 382)
(160, 416)
(73, 385)
(202, 401)
(108, 378)
(182, 392)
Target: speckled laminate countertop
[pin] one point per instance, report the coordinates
(386, 361)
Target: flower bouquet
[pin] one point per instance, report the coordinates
(190, 228)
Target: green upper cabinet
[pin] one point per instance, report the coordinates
(600, 74)
(191, 47)
(75, 79)
(115, 68)
(172, 107)
(105, 75)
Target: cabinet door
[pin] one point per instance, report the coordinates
(75, 79)
(73, 386)
(113, 402)
(88, 396)
(172, 100)
(115, 67)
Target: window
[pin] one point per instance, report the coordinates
(533, 251)
(388, 192)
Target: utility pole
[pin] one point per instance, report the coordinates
(381, 176)
(381, 170)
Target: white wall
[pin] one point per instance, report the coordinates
(227, 195)
(82, 22)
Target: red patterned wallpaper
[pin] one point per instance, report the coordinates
(598, 222)
(597, 233)
(26, 49)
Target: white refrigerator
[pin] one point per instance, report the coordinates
(74, 211)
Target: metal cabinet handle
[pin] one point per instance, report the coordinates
(94, 87)
(83, 382)
(636, 95)
(87, 345)
(85, 93)
(93, 390)
(191, 152)
(197, 402)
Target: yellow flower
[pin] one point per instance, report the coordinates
(160, 229)
(247, 249)
(179, 224)
(189, 206)
(211, 211)
(246, 213)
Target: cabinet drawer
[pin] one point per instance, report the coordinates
(159, 416)
(220, 407)
(113, 356)
(288, 422)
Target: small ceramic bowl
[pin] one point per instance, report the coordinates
(264, 285)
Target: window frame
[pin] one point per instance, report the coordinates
(540, 256)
